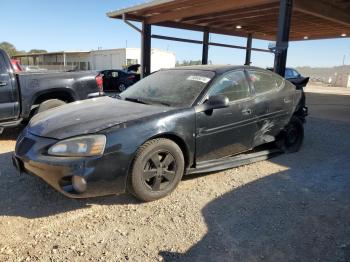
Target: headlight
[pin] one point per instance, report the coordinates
(93, 145)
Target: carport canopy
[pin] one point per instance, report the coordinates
(274, 20)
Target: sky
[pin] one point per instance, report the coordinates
(83, 25)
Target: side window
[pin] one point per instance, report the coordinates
(107, 73)
(115, 74)
(295, 73)
(279, 81)
(288, 74)
(234, 85)
(263, 82)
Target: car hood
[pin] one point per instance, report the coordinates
(89, 116)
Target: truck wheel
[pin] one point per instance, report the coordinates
(157, 169)
(291, 138)
(52, 103)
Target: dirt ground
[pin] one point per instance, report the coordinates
(290, 208)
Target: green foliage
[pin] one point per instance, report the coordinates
(11, 50)
(37, 51)
(190, 62)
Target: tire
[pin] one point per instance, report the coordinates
(291, 138)
(49, 104)
(157, 169)
(122, 87)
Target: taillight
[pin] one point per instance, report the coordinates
(99, 82)
(131, 77)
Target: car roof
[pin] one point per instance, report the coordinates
(214, 68)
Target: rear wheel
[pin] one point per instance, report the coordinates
(121, 87)
(157, 169)
(291, 138)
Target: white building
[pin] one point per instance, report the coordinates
(97, 59)
(119, 58)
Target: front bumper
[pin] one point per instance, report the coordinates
(100, 173)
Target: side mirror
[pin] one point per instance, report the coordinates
(214, 102)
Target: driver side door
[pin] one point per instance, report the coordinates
(9, 104)
(226, 131)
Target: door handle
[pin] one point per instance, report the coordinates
(247, 112)
(3, 84)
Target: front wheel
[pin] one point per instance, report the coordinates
(157, 169)
(291, 138)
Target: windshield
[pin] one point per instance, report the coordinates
(178, 88)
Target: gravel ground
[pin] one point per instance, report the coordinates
(291, 208)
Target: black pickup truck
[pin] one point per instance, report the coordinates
(24, 94)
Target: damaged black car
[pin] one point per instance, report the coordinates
(172, 123)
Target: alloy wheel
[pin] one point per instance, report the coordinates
(159, 171)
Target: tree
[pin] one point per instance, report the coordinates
(9, 48)
(189, 62)
(37, 51)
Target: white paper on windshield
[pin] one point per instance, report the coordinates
(202, 79)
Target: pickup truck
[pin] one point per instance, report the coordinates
(23, 94)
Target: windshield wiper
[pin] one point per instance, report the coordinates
(136, 100)
(146, 102)
(161, 103)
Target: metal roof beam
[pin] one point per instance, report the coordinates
(323, 10)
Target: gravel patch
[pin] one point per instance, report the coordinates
(290, 208)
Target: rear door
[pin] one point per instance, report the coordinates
(108, 82)
(271, 104)
(117, 79)
(9, 104)
(226, 131)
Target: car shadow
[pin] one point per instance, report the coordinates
(299, 214)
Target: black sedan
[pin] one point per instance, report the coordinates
(173, 122)
(293, 76)
(118, 80)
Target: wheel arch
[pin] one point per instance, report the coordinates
(60, 94)
(180, 142)
(168, 136)
(173, 137)
(63, 94)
